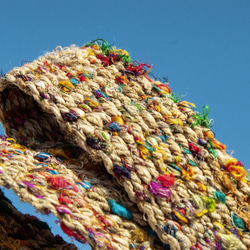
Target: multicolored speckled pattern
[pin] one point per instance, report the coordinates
(163, 181)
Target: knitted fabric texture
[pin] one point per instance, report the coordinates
(117, 157)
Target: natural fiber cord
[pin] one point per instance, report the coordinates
(116, 157)
(22, 231)
(82, 207)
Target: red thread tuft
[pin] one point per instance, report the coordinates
(166, 180)
(105, 60)
(70, 233)
(58, 182)
(82, 78)
(63, 199)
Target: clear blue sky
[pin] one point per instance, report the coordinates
(203, 47)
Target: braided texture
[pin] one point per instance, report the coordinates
(22, 231)
(149, 158)
(82, 208)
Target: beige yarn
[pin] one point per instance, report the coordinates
(44, 86)
(92, 201)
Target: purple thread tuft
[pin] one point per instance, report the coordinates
(157, 189)
(121, 172)
(69, 117)
(218, 246)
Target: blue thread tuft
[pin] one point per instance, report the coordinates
(120, 210)
(74, 81)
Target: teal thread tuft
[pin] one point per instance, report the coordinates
(120, 210)
(238, 222)
(151, 232)
(213, 152)
(220, 196)
(192, 163)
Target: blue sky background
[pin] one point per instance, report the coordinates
(203, 47)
